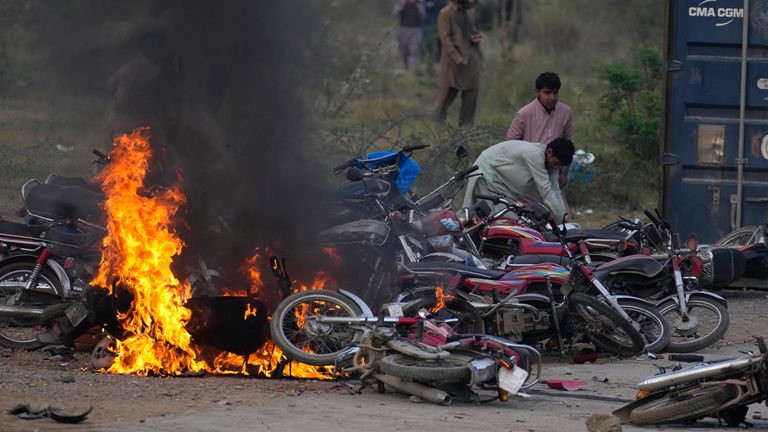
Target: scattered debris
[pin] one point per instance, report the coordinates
(30, 412)
(603, 423)
(688, 358)
(66, 378)
(568, 385)
(7, 352)
(585, 356)
(602, 380)
(415, 399)
(64, 148)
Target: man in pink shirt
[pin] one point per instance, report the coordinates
(545, 118)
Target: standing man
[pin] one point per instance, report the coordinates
(460, 61)
(411, 14)
(544, 118)
(518, 168)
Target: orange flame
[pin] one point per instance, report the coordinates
(441, 298)
(249, 311)
(137, 254)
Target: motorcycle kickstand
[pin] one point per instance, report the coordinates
(556, 318)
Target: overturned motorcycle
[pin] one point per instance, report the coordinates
(409, 349)
(721, 389)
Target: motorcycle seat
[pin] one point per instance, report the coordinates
(55, 202)
(575, 236)
(20, 229)
(453, 267)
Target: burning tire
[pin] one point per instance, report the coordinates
(301, 338)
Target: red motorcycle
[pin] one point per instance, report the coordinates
(520, 304)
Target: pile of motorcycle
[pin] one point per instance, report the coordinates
(503, 271)
(46, 261)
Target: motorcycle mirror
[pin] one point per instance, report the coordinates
(670, 159)
(461, 152)
(354, 174)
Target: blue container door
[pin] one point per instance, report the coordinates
(702, 116)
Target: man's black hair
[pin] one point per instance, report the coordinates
(562, 149)
(549, 80)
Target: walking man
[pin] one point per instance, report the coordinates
(460, 61)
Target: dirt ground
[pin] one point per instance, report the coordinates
(225, 403)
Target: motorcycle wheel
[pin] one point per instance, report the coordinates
(19, 333)
(676, 407)
(452, 369)
(654, 328)
(312, 343)
(609, 331)
(708, 322)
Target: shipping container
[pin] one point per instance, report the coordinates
(715, 178)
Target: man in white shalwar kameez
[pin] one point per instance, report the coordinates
(516, 168)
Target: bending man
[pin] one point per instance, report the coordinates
(517, 168)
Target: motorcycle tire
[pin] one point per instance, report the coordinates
(653, 327)
(19, 333)
(683, 340)
(318, 345)
(452, 369)
(47, 282)
(677, 407)
(622, 338)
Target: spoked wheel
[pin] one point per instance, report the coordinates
(21, 333)
(680, 406)
(302, 338)
(452, 369)
(608, 330)
(706, 323)
(653, 327)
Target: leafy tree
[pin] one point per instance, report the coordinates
(631, 104)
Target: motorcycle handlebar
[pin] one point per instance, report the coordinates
(463, 174)
(348, 164)
(493, 198)
(408, 149)
(652, 218)
(627, 225)
(100, 155)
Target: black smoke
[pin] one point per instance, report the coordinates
(222, 87)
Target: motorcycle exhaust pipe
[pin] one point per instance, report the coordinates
(427, 393)
(21, 312)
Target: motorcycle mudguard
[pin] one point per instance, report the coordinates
(532, 297)
(367, 312)
(619, 298)
(57, 269)
(692, 294)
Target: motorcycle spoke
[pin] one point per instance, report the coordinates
(298, 333)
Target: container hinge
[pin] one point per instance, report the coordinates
(674, 66)
(741, 161)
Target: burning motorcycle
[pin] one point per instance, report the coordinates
(721, 389)
(410, 350)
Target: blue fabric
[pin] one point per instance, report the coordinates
(379, 159)
(409, 168)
